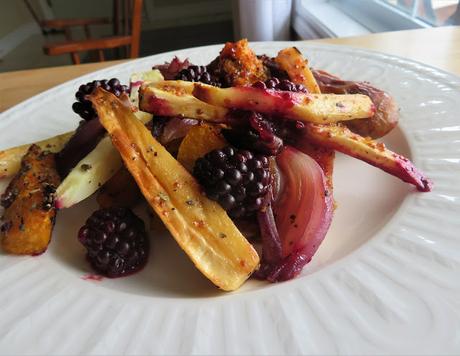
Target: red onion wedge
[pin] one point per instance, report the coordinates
(271, 243)
(86, 137)
(176, 128)
(169, 70)
(303, 214)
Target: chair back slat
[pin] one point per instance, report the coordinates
(127, 19)
(136, 27)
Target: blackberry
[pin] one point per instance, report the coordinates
(116, 242)
(83, 106)
(237, 179)
(283, 84)
(198, 74)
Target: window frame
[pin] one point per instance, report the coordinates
(331, 21)
(379, 16)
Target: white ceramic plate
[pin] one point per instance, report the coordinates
(385, 280)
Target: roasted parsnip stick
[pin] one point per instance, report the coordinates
(200, 226)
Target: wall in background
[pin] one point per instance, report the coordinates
(21, 40)
(13, 14)
(173, 13)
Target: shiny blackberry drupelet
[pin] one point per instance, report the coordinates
(283, 84)
(116, 242)
(237, 179)
(198, 74)
(83, 106)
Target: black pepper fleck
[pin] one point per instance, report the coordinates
(6, 226)
(85, 167)
(22, 227)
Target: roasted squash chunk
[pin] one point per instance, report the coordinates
(10, 159)
(200, 140)
(29, 214)
(238, 65)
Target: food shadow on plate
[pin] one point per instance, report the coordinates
(169, 273)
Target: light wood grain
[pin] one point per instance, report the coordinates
(20, 85)
(439, 47)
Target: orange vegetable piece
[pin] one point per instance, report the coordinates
(29, 207)
(200, 140)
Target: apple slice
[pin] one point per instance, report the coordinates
(199, 225)
(173, 98)
(292, 62)
(92, 171)
(89, 174)
(317, 108)
(340, 138)
(137, 79)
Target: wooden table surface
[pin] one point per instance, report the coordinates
(439, 47)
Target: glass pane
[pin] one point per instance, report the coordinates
(439, 12)
(434, 12)
(404, 5)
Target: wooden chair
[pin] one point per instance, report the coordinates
(126, 32)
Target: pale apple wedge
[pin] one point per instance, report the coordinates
(340, 138)
(137, 79)
(200, 226)
(317, 108)
(10, 159)
(93, 170)
(292, 62)
(173, 98)
(89, 174)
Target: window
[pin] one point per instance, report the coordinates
(434, 12)
(391, 15)
(337, 18)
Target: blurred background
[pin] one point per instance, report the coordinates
(43, 33)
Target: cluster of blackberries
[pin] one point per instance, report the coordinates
(83, 106)
(201, 74)
(283, 84)
(116, 242)
(237, 179)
